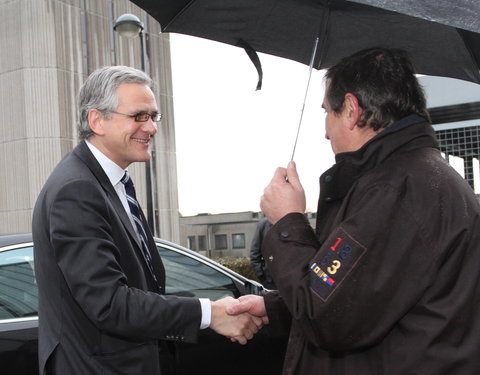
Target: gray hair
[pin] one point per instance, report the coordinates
(99, 92)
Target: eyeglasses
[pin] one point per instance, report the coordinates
(143, 116)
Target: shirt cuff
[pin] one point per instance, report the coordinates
(206, 312)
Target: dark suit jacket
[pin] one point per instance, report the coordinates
(100, 311)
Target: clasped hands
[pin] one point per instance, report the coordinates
(238, 319)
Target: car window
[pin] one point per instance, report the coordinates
(189, 277)
(185, 276)
(18, 289)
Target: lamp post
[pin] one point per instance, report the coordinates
(130, 26)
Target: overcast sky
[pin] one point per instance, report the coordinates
(230, 138)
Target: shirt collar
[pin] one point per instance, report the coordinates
(111, 169)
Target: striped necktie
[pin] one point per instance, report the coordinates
(135, 211)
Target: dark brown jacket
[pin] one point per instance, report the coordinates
(389, 282)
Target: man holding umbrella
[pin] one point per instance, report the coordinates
(389, 281)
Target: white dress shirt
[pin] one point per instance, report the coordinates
(115, 173)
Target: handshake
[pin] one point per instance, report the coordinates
(238, 319)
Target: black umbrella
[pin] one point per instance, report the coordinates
(457, 13)
(443, 36)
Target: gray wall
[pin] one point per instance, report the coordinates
(48, 48)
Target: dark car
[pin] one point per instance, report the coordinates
(188, 274)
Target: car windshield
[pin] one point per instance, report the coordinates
(191, 278)
(18, 289)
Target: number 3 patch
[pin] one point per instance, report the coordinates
(333, 262)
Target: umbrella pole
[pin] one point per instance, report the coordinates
(305, 98)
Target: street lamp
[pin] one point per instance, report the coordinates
(129, 26)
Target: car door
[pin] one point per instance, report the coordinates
(18, 311)
(190, 275)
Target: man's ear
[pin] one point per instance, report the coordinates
(353, 110)
(95, 120)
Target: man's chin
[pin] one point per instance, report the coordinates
(146, 157)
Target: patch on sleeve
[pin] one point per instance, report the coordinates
(334, 261)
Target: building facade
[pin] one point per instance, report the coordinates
(48, 49)
(220, 235)
(458, 131)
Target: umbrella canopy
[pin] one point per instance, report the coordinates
(458, 13)
(443, 36)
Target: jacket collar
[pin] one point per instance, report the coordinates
(409, 133)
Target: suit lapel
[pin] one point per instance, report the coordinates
(83, 152)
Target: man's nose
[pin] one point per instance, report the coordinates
(150, 127)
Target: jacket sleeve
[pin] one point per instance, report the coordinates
(256, 258)
(88, 257)
(279, 317)
(348, 292)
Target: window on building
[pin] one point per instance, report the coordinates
(191, 243)
(220, 241)
(238, 240)
(461, 146)
(202, 243)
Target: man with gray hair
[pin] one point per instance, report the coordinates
(102, 307)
